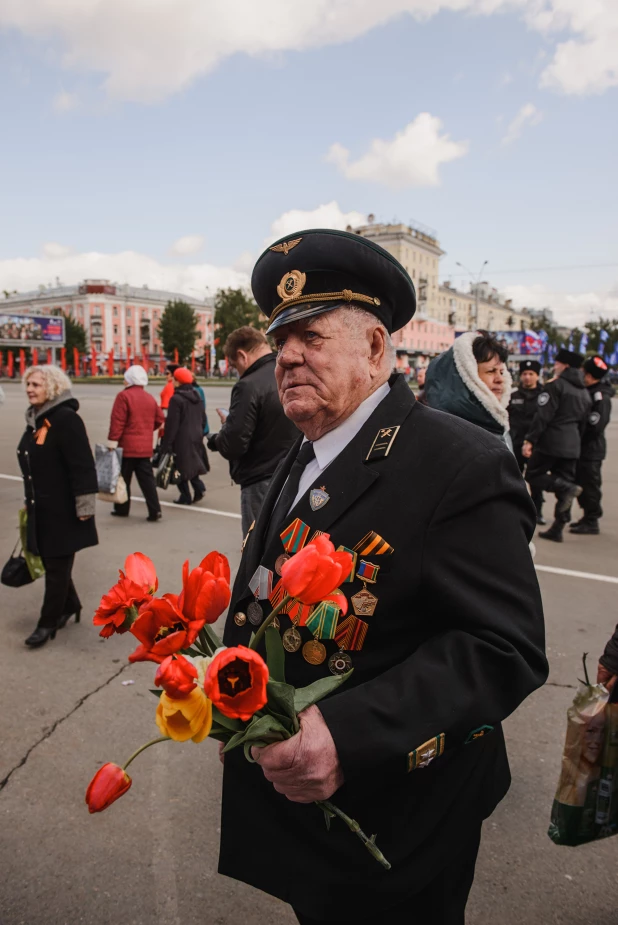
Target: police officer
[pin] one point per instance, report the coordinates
(594, 447)
(553, 441)
(522, 408)
(444, 624)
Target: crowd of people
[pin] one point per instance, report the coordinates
(320, 436)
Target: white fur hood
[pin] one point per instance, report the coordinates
(467, 368)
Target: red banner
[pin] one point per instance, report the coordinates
(22, 361)
(128, 355)
(10, 364)
(93, 361)
(193, 362)
(176, 355)
(76, 361)
(35, 357)
(49, 357)
(63, 359)
(161, 364)
(110, 363)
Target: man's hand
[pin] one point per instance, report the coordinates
(222, 416)
(605, 677)
(306, 767)
(89, 517)
(526, 449)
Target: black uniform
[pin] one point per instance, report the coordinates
(555, 434)
(594, 449)
(453, 646)
(522, 409)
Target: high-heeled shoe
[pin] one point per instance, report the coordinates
(40, 636)
(64, 619)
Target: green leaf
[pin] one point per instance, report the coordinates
(155, 691)
(192, 650)
(264, 730)
(234, 725)
(275, 654)
(281, 698)
(306, 696)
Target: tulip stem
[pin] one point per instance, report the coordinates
(269, 619)
(143, 747)
(352, 824)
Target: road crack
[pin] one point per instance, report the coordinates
(555, 684)
(58, 722)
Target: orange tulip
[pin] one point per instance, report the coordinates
(204, 597)
(236, 682)
(109, 783)
(314, 572)
(177, 676)
(186, 718)
(216, 563)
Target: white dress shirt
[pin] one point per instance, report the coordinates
(331, 444)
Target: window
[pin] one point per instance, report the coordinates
(115, 329)
(128, 332)
(128, 312)
(115, 311)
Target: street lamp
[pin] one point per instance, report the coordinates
(475, 282)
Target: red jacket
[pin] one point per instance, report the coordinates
(166, 393)
(135, 415)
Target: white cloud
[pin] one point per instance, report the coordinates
(569, 308)
(64, 102)
(411, 158)
(527, 115)
(54, 251)
(328, 215)
(148, 57)
(188, 244)
(26, 273)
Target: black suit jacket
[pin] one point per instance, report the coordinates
(455, 644)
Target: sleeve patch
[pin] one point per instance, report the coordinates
(594, 418)
(478, 733)
(543, 398)
(598, 396)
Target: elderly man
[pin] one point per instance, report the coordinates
(444, 627)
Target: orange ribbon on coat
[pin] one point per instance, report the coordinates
(41, 434)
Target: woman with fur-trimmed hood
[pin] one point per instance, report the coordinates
(471, 381)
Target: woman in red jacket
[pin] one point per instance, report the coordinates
(135, 416)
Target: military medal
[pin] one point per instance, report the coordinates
(314, 652)
(292, 640)
(339, 663)
(255, 613)
(322, 621)
(240, 618)
(367, 571)
(295, 536)
(351, 633)
(372, 544)
(350, 576)
(261, 583)
(275, 623)
(318, 497)
(364, 603)
(280, 562)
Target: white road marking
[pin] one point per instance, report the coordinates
(571, 573)
(177, 507)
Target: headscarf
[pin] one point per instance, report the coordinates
(136, 375)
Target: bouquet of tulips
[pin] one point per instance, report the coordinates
(204, 689)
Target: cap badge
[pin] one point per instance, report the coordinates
(318, 497)
(291, 285)
(286, 246)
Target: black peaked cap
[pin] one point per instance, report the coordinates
(314, 271)
(596, 367)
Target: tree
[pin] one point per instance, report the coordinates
(234, 309)
(594, 329)
(178, 329)
(75, 333)
(554, 338)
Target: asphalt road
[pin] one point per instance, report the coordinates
(151, 859)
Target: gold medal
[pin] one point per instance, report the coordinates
(314, 652)
(364, 603)
(292, 640)
(280, 561)
(240, 618)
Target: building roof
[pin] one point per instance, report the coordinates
(105, 288)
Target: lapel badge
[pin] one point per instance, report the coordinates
(382, 443)
(367, 571)
(318, 497)
(364, 603)
(423, 755)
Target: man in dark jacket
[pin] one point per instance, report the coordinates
(594, 447)
(522, 408)
(553, 441)
(184, 436)
(444, 628)
(255, 435)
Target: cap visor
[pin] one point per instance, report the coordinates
(301, 313)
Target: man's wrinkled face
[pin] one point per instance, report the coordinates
(492, 374)
(322, 371)
(528, 379)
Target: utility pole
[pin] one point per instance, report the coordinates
(475, 282)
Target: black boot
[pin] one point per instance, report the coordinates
(40, 636)
(584, 526)
(64, 619)
(566, 493)
(554, 533)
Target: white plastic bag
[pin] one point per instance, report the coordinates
(108, 463)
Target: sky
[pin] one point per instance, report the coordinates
(167, 143)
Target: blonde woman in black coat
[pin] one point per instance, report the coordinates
(60, 487)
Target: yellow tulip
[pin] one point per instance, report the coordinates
(187, 718)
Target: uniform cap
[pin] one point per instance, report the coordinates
(597, 367)
(315, 271)
(569, 358)
(534, 365)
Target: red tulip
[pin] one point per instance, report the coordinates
(161, 629)
(114, 611)
(236, 682)
(177, 676)
(204, 597)
(216, 563)
(314, 572)
(140, 569)
(109, 783)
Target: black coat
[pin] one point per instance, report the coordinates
(455, 644)
(594, 446)
(562, 410)
(56, 472)
(522, 408)
(184, 432)
(256, 434)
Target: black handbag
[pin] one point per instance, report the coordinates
(167, 473)
(16, 573)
